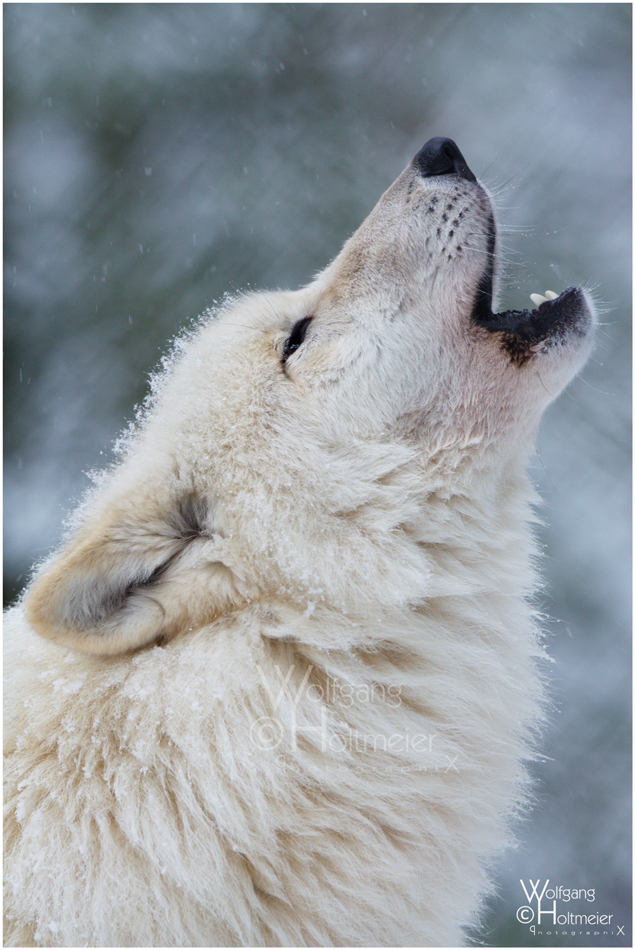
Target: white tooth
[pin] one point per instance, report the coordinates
(537, 299)
(549, 294)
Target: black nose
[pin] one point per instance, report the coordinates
(441, 156)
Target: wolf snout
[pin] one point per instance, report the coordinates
(441, 156)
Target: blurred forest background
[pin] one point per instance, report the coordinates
(159, 155)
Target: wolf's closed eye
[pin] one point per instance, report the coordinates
(295, 338)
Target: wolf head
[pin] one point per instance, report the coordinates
(294, 449)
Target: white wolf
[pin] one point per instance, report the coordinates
(288, 676)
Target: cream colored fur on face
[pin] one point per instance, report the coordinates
(277, 686)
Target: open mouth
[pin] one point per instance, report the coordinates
(556, 316)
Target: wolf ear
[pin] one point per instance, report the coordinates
(128, 579)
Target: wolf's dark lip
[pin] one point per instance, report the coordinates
(562, 315)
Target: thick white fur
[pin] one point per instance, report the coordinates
(289, 680)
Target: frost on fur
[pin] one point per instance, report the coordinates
(277, 686)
